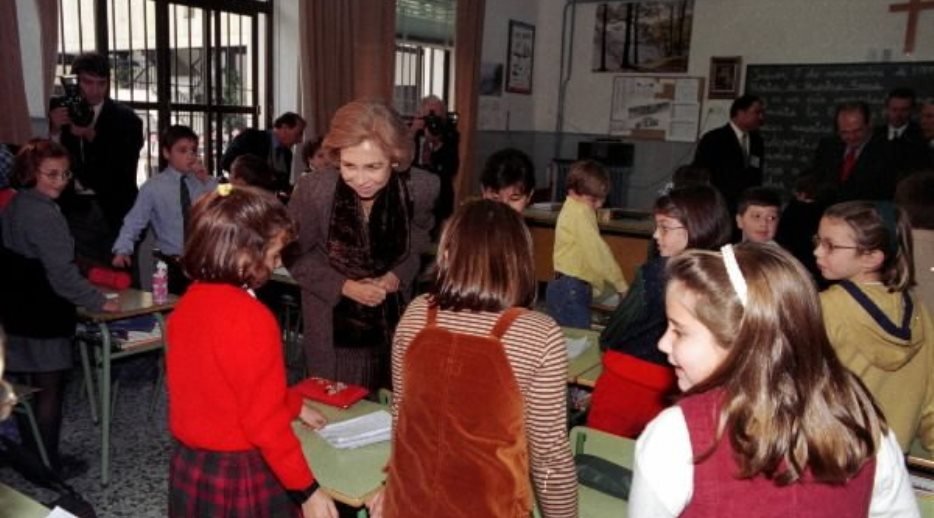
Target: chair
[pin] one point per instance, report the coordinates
(23, 395)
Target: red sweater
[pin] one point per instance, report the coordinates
(226, 380)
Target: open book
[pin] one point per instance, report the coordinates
(360, 431)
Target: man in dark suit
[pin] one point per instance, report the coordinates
(273, 145)
(104, 155)
(927, 127)
(904, 144)
(734, 154)
(852, 165)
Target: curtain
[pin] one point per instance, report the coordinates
(468, 47)
(347, 49)
(48, 27)
(16, 128)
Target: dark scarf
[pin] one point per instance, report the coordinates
(361, 249)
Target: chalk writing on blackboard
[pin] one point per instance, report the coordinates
(801, 99)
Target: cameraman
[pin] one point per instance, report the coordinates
(104, 139)
(436, 143)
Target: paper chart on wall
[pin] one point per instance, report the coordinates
(655, 107)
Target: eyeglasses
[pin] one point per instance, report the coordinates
(62, 176)
(829, 246)
(662, 229)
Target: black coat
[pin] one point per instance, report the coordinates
(906, 154)
(720, 152)
(252, 141)
(871, 179)
(108, 164)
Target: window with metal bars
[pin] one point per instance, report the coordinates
(203, 63)
(424, 53)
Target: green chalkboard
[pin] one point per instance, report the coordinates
(801, 99)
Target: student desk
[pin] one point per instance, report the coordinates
(132, 303)
(350, 476)
(588, 360)
(15, 504)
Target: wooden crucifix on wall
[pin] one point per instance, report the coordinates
(913, 8)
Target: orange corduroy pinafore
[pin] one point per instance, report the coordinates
(459, 447)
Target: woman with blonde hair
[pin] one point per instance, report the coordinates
(363, 227)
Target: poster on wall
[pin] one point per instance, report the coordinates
(647, 37)
(519, 58)
(663, 108)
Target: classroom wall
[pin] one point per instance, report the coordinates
(760, 31)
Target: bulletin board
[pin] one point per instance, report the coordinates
(656, 107)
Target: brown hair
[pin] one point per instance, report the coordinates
(30, 157)
(485, 260)
(882, 226)
(702, 211)
(760, 197)
(253, 171)
(915, 194)
(359, 120)
(230, 231)
(589, 178)
(309, 148)
(789, 404)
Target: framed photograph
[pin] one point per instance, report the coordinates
(520, 57)
(725, 77)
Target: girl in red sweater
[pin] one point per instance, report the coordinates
(229, 409)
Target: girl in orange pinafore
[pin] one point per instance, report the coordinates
(479, 383)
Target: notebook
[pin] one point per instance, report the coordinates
(360, 431)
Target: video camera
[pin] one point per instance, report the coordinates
(435, 125)
(79, 111)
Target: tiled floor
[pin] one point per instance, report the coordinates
(141, 450)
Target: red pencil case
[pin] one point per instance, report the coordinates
(109, 278)
(334, 393)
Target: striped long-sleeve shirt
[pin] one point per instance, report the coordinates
(535, 347)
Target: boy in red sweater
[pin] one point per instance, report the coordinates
(229, 408)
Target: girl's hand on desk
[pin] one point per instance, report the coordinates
(312, 417)
(319, 505)
(375, 504)
(111, 306)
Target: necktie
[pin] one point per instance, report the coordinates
(849, 162)
(745, 143)
(184, 199)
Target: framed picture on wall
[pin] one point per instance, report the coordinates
(520, 57)
(725, 77)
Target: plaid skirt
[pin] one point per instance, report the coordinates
(229, 484)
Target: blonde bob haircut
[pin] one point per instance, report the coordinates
(360, 120)
(484, 260)
(789, 405)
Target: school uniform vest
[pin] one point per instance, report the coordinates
(717, 491)
(460, 446)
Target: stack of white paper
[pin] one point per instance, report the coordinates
(576, 346)
(359, 431)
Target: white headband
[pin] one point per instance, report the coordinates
(735, 274)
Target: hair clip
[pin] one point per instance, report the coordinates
(224, 189)
(734, 273)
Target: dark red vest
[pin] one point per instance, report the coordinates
(718, 493)
(459, 447)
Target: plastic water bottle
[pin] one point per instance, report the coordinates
(160, 283)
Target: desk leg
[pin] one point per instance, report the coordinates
(106, 408)
(88, 377)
